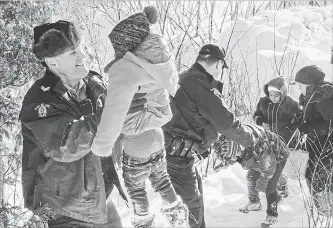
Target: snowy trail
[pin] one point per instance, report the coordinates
(224, 193)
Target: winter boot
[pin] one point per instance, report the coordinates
(283, 191)
(251, 207)
(270, 220)
(143, 221)
(176, 213)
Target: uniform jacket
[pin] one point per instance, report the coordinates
(318, 113)
(58, 167)
(280, 117)
(199, 112)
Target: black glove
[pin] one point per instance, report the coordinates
(259, 120)
(303, 128)
(301, 100)
(297, 119)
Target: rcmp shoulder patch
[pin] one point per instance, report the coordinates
(42, 109)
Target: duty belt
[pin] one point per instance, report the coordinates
(182, 147)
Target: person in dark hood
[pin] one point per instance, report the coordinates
(279, 111)
(317, 102)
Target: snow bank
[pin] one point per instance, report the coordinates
(280, 43)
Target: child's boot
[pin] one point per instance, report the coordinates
(283, 191)
(176, 213)
(143, 221)
(270, 220)
(251, 206)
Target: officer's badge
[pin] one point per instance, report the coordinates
(42, 109)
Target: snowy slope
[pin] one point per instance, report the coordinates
(280, 43)
(225, 192)
(302, 36)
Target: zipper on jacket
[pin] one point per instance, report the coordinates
(68, 99)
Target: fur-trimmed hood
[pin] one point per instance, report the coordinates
(278, 83)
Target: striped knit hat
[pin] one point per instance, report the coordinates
(131, 32)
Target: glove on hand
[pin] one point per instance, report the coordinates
(301, 100)
(259, 120)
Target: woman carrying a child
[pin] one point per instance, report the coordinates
(143, 64)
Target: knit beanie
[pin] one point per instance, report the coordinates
(310, 75)
(53, 39)
(131, 32)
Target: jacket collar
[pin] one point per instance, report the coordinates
(200, 68)
(56, 84)
(210, 78)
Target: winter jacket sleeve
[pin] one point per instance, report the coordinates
(210, 105)
(325, 108)
(258, 115)
(258, 111)
(59, 136)
(123, 84)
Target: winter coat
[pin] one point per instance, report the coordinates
(199, 112)
(127, 76)
(263, 157)
(280, 117)
(58, 168)
(318, 114)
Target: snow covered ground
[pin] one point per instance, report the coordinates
(226, 191)
(279, 43)
(302, 36)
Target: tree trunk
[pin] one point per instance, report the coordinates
(198, 19)
(210, 31)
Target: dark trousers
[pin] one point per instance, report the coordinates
(319, 170)
(271, 190)
(188, 185)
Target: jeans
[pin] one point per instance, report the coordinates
(137, 170)
(114, 220)
(188, 185)
(271, 190)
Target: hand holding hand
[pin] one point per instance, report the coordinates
(303, 128)
(259, 120)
